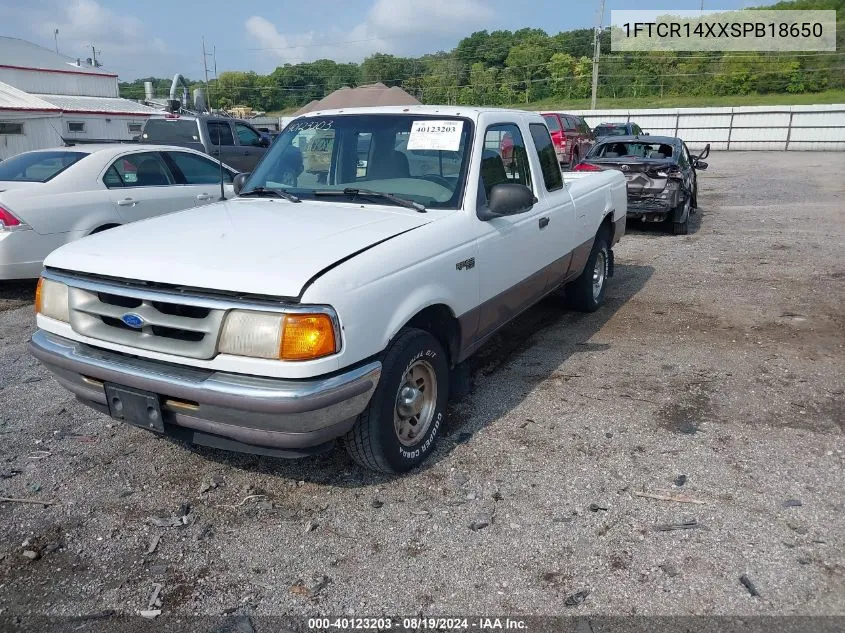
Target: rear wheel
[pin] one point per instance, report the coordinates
(586, 293)
(399, 428)
(682, 227)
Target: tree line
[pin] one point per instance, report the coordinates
(519, 67)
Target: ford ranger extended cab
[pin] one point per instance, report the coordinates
(371, 251)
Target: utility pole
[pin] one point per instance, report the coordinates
(56, 37)
(596, 53)
(214, 60)
(94, 52)
(205, 67)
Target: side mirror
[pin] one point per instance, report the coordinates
(508, 199)
(700, 164)
(264, 141)
(705, 153)
(239, 181)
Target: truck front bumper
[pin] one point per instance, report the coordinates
(270, 416)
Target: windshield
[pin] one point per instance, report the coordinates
(657, 151)
(38, 166)
(419, 158)
(611, 130)
(171, 130)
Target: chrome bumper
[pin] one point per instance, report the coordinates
(242, 412)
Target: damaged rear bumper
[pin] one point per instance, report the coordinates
(651, 209)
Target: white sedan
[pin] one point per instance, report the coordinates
(54, 196)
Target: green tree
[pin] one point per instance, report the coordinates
(528, 64)
(562, 73)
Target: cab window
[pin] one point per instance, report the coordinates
(247, 136)
(220, 133)
(504, 158)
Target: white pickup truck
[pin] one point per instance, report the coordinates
(370, 252)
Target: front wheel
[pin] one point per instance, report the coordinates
(586, 293)
(399, 428)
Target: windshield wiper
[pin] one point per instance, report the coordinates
(353, 192)
(265, 191)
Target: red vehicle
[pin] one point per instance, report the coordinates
(571, 135)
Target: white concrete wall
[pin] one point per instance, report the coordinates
(810, 127)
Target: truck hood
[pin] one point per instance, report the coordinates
(264, 247)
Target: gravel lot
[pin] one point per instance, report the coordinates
(717, 360)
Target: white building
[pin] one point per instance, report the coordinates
(45, 98)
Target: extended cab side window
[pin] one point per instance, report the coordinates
(549, 164)
(220, 133)
(504, 158)
(247, 136)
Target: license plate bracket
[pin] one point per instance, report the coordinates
(135, 406)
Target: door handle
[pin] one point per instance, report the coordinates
(544, 222)
(126, 202)
(246, 153)
(204, 196)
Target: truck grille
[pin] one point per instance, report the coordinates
(182, 329)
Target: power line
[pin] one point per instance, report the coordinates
(342, 79)
(518, 81)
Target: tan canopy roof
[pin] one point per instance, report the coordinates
(368, 95)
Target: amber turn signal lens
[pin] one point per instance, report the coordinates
(307, 336)
(38, 295)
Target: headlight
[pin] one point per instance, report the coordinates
(51, 300)
(293, 336)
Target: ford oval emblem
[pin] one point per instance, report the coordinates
(133, 320)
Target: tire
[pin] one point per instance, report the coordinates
(682, 228)
(582, 294)
(378, 441)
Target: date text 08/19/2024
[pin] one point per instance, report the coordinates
(417, 623)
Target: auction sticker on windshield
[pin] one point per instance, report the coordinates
(436, 135)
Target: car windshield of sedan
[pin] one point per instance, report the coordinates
(38, 166)
(657, 151)
(422, 159)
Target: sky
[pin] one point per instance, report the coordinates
(162, 37)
